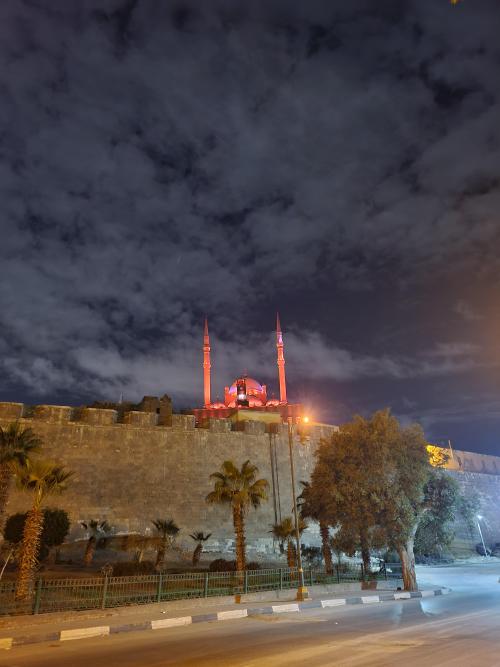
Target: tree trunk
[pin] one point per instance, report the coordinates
(197, 554)
(327, 552)
(407, 558)
(160, 555)
(239, 531)
(365, 550)
(90, 550)
(291, 554)
(29, 549)
(5, 482)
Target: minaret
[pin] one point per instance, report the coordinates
(281, 360)
(206, 365)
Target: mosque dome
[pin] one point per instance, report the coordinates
(253, 387)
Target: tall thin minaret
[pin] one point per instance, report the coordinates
(281, 360)
(206, 365)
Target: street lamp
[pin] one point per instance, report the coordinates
(479, 517)
(302, 592)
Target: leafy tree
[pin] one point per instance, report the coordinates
(435, 530)
(16, 446)
(375, 475)
(312, 506)
(468, 507)
(96, 529)
(167, 531)
(343, 485)
(41, 479)
(313, 555)
(284, 532)
(240, 489)
(199, 537)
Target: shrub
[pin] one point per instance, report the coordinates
(14, 526)
(222, 565)
(253, 565)
(55, 528)
(133, 568)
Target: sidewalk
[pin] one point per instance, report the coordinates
(21, 630)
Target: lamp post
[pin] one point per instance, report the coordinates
(302, 592)
(479, 517)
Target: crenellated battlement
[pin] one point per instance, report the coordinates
(64, 414)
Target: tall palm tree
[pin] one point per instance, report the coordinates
(199, 537)
(16, 445)
(42, 479)
(284, 532)
(96, 529)
(239, 488)
(311, 506)
(167, 531)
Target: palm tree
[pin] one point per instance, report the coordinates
(96, 528)
(284, 532)
(199, 537)
(16, 445)
(167, 531)
(42, 479)
(312, 507)
(240, 489)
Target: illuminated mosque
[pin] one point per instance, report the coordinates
(246, 399)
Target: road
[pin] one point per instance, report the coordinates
(460, 629)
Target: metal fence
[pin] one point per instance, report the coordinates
(101, 592)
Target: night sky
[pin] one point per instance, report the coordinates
(336, 161)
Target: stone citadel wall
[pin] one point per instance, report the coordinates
(132, 472)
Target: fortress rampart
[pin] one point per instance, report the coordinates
(132, 468)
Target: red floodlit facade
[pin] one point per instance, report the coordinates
(246, 395)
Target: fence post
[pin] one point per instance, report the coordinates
(281, 578)
(338, 573)
(205, 587)
(385, 570)
(104, 591)
(38, 596)
(310, 576)
(245, 589)
(158, 592)
(362, 572)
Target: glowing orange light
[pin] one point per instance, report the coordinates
(306, 420)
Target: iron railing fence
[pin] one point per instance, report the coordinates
(50, 595)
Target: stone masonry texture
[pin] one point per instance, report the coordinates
(133, 472)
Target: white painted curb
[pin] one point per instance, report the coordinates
(82, 633)
(171, 622)
(284, 608)
(369, 599)
(232, 613)
(402, 596)
(336, 602)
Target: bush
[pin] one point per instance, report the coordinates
(14, 526)
(55, 528)
(133, 568)
(253, 565)
(222, 565)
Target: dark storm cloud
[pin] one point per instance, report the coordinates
(159, 161)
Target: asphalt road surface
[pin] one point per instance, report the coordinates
(459, 629)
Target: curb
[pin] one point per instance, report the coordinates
(106, 630)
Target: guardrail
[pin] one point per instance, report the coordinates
(50, 595)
